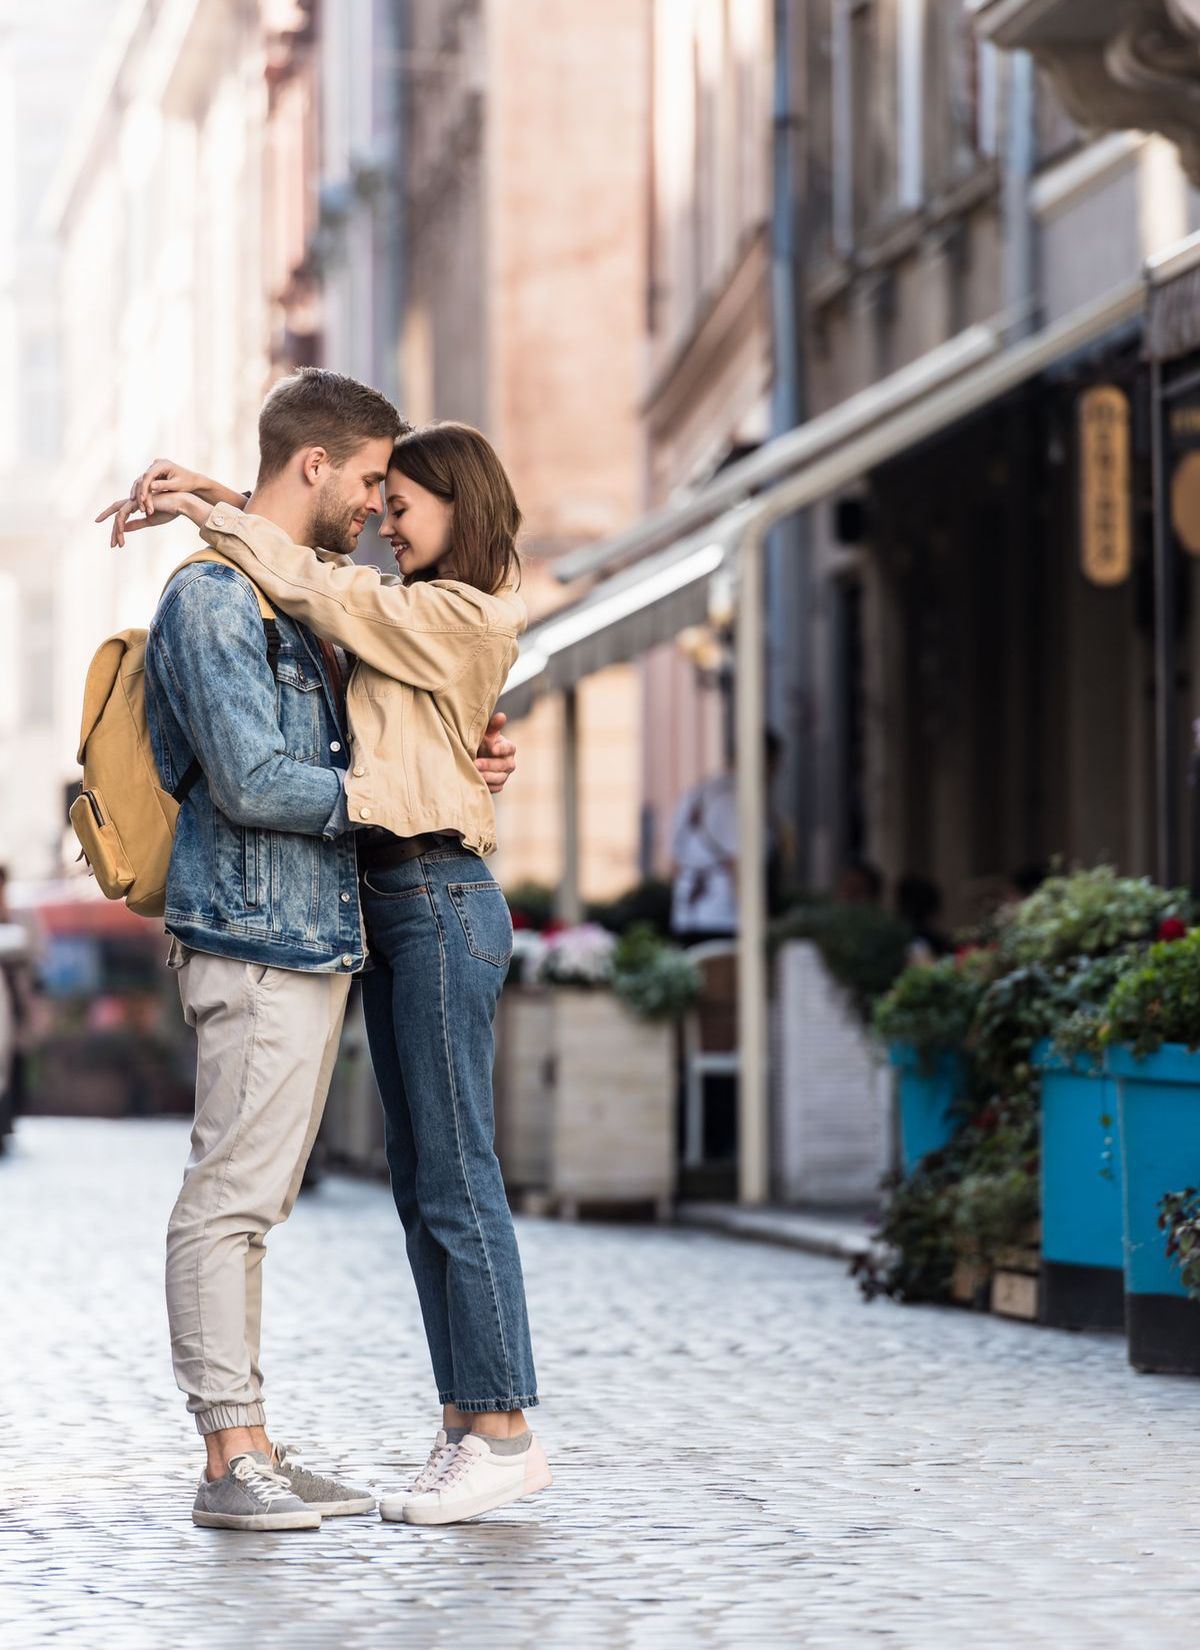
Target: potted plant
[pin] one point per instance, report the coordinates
(608, 1130)
(1152, 1036)
(1082, 931)
(1083, 1217)
(925, 1020)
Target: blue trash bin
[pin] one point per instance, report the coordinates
(1083, 1248)
(1159, 1110)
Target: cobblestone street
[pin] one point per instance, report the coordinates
(745, 1454)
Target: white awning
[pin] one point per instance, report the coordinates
(648, 603)
(620, 619)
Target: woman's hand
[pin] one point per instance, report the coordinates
(165, 507)
(165, 476)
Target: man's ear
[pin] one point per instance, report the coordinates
(314, 461)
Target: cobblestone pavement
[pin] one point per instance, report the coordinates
(745, 1454)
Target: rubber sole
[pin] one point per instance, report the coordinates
(306, 1520)
(343, 1509)
(476, 1506)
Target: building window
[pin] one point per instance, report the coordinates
(1056, 134)
(962, 110)
(910, 92)
(865, 119)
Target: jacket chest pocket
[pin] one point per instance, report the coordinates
(300, 702)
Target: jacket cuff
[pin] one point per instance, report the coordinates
(339, 820)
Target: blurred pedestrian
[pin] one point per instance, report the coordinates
(704, 855)
(431, 650)
(859, 883)
(919, 903)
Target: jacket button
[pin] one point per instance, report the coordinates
(359, 771)
(364, 813)
(335, 744)
(345, 899)
(347, 960)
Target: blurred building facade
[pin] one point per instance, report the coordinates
(35, 67)
(161, 207)
(707, 397)
(525, 239)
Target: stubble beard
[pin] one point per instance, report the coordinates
(329, 528)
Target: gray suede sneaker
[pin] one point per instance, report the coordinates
(330, 1497)
(251, 1497)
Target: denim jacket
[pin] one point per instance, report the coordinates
(263, 868)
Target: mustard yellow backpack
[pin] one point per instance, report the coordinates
(123, 818)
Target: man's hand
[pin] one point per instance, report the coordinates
(497, 756)
(166, 507)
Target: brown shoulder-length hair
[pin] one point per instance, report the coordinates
(458, 464)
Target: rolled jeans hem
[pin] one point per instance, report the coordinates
(223, 1416)
(488, 1406)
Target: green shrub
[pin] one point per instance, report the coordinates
(647, 903)
(1179, 1218)
(863, 948)
(1086, 913)
(1083, 999)
(1157, 1000)
(657, 980)
(532, 902)
(932, 1005)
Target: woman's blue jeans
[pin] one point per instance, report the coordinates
(441, 937)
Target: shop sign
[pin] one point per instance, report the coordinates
(1106, 528)
(1185, 477)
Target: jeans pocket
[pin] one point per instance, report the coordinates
(486, 920)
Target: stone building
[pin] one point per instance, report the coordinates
(524, 290)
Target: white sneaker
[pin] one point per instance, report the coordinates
(478, 1480)
(391, 1507)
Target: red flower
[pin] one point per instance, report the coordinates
(1172, 928)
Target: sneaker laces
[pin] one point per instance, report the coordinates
(440, 1457)
(260, 1482)
(286, 1458)
(461, 1465)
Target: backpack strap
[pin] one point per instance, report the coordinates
(193, 770)
(264, 606)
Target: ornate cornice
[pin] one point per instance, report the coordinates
(1129, 64)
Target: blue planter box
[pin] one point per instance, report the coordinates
(926, 1098)
(1160, 1148)
(1083, 1249)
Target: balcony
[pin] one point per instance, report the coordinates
(1116, 64)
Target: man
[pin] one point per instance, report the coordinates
(704, 854)
(262, 905)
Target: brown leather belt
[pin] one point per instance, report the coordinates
(398, 850)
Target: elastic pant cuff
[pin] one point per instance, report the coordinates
(223, 1416)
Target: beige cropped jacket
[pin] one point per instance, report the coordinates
(431, 660)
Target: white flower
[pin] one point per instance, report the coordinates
(579, 956)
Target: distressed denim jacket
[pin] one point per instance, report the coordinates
(263, 868)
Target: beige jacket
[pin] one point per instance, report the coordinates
(432, 659)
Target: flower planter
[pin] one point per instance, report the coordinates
(832, 1098)
(1083, 1252)
(1159, 1110)
(612, 1138)
(524, 1085)
(926, 1099)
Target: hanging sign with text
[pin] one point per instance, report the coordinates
(1106, 528)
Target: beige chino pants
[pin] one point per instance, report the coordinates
(266, 1041)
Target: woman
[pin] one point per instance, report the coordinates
(431, 651)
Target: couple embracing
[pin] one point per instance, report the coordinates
(331, 735)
